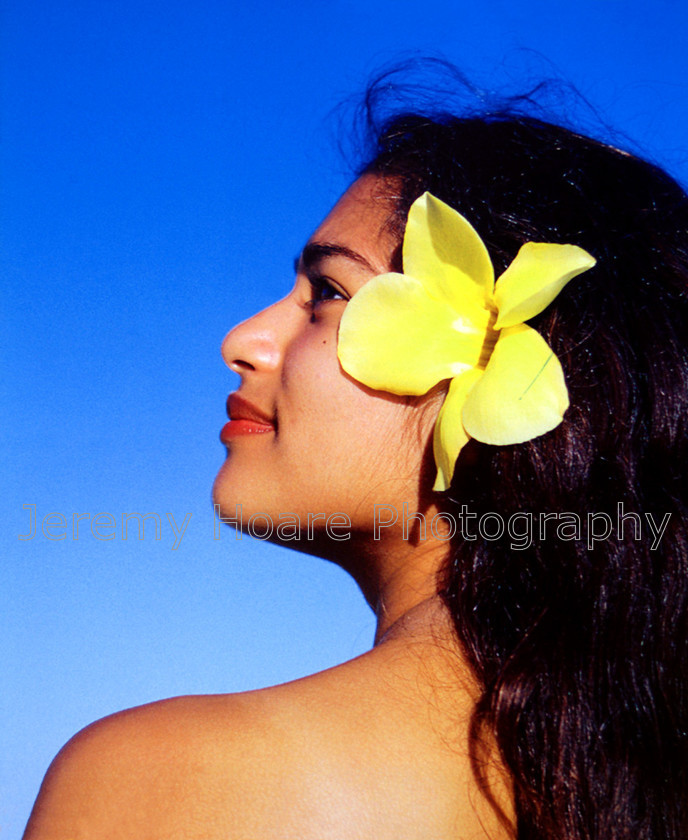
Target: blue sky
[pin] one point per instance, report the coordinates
(160, 169)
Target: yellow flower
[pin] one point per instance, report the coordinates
(446, 318)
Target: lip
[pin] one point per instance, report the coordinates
(244, 419)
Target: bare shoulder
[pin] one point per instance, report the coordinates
(137, 767)
(339, 754)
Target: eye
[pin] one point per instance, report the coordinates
(323, 290)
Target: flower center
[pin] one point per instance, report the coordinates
(491, 336)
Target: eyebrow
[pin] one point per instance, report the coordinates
(315, 251)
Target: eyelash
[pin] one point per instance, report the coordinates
(323, 291)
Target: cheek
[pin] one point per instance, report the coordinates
(312, 379)
(381, 437)
(362, 441)
(318, 388)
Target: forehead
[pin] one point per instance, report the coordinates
(358, 222)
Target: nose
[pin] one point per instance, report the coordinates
(254, 344)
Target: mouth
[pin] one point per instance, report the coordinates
(245, 419)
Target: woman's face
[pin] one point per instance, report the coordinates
(304, 437)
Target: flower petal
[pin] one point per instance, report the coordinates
(532, 281)
(394, 337)
(444, 251)
(522, 393)
(450, 436)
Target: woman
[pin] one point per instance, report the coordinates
(528, 681)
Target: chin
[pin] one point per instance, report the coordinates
(218, 492)
(228, 494)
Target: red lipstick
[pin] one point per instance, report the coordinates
(244, 419)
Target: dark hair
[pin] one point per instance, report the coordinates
(582, 652)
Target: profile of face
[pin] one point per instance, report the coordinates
(304, 437)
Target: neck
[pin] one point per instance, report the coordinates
(399, 578)
(426, 618)
(396, 574)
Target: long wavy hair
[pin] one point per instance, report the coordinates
(580, 643)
